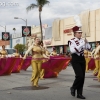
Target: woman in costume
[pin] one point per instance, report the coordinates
(44, 60)
(97, 60)
(54, 53)
(96, 55)
(47, 52)
(87, 55)
(86, 59)
(3, 52)
(36, 61)
(16, 54)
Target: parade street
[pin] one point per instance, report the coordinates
(17, 86)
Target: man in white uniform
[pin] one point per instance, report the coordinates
(77, 46)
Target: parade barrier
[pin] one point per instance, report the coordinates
(91, 64)
(17, 65)
(10, 65)
(52, 67)
(26, 63)
(6, 66)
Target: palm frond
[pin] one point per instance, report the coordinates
(42, 2)
(31, 6)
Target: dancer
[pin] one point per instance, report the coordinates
(95, 53)
(3, 52)
(97, 62)
(87, 55)
(36, 61)
(44, 60)
(16, 54)
(54, 53)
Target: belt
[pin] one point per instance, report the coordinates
(77, 54)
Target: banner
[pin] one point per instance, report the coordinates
(26, 31)
(5, 36)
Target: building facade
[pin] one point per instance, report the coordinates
(17, 39)
(90, 26)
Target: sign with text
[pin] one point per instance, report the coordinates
(68, 31)
(47, 42)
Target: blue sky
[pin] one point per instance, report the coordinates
(56, 9)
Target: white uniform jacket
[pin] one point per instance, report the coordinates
(78, 46)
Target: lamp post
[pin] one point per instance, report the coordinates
(3, 27)
(25, 22)
(5, 30)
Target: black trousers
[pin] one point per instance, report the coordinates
(79, 66)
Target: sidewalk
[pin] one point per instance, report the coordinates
(18, 87)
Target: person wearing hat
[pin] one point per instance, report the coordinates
(77, 46)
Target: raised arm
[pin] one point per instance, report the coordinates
(30, 48)
(97, 50)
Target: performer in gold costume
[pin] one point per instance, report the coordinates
(87, 55)
(96, 55)
(47, 52)
(36, 61)
(97, 61)
(16, 54)
(44, 60)
(86, 59)
(3, 52)
(54, 53)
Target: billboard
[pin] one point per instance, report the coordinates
(17, 41)
(16, 35)
(26, 31)
(48, 36)
(5, 36)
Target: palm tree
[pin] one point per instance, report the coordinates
(39, 4)
(14, 29)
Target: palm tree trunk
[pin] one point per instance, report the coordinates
(40, 25)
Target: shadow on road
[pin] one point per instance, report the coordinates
(30, 88)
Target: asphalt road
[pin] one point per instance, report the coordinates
(17, 86)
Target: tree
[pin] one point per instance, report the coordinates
(39, 4)
(20, 47)
(14, 29)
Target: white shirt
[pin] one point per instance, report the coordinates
(78, 46)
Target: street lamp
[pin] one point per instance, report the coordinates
(3, 27)
(5, 30)
(22, 19)
(25, 22)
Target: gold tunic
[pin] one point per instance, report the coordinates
(85, 53)
(3, 53)
(47, 53)
(97, 55)
(54, 53)
(37, 52)
(16, 54)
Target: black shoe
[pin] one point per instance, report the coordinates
(80, 96)
(72, 91)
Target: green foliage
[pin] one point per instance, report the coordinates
(37, 5)
(14, 29)
(20, 47)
